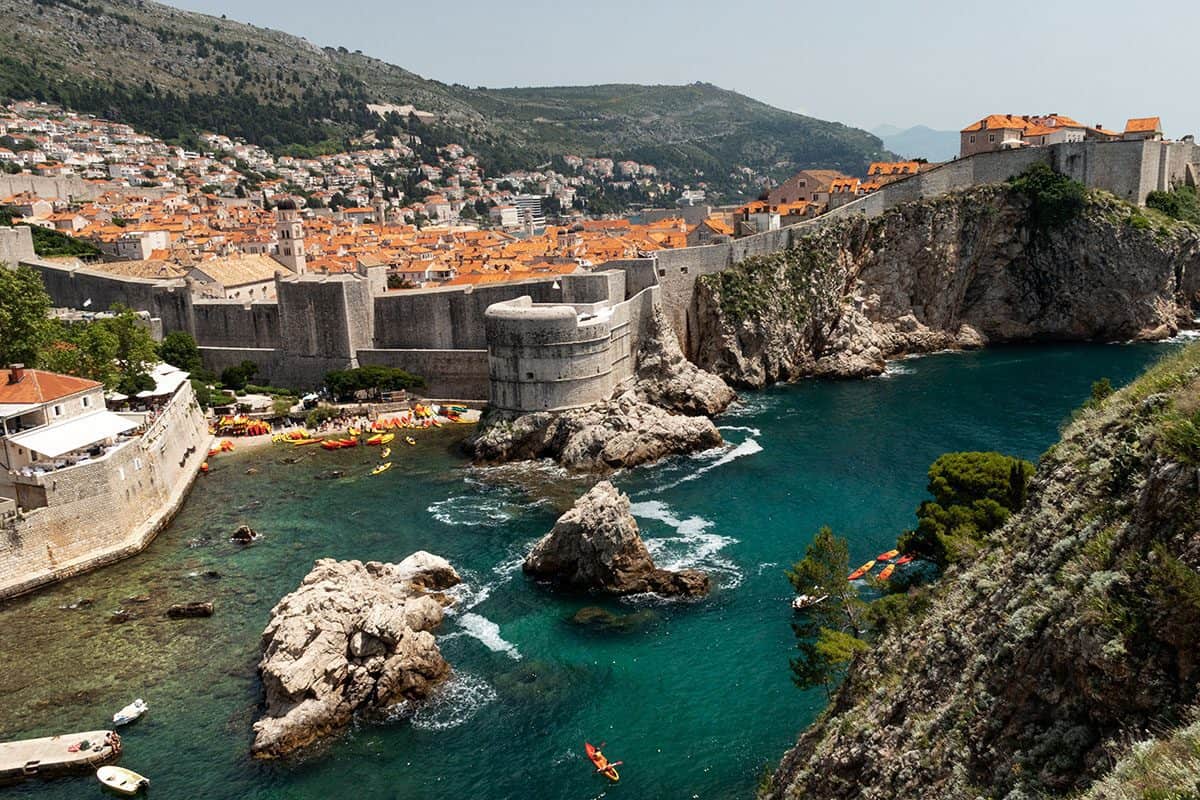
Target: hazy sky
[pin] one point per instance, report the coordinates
(862, 62)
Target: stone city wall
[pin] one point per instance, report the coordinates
(548, 357)
(16, 245)
(105, 510)
(72, 187)
(449, 374)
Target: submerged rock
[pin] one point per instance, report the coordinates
(244, 535)
(353, 637)
(595, 547)
(601, 619)
(188, 610)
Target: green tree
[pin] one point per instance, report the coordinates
(1054, 199)
(973, 495)
(179, 349)
(86, 350)
(25, 325)
(236, 377)
(136, 352)
(344, 383)
(828, 635)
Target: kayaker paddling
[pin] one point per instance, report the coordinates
(603, 766)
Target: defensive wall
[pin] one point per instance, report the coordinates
(72, 187)
(554, 356)
(318, 323)
(94, 513)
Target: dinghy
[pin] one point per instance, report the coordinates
(121, 780)
(130, 712)
(803, 601)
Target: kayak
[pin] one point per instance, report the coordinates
(124, 781)
(603, 766)
(387, 438)
(887, 572)
(310, 440)
(376, 439)
(355, 432)
(331, 444)
(385, 452)
(888, 556)
(410, 440)
(382, 468)
(903, 560)
(861, 571)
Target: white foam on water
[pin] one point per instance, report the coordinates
(694, 546)
(894, 368)
(472, 510)
(452, 704)
(747, 448)
(485, 631)
(765, 566)
(1182, 336)
(744, 428)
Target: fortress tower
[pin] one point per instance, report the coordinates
(289, 233)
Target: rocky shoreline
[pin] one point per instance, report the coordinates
(956, 272)
(666, 411)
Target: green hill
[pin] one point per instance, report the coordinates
(174, 73)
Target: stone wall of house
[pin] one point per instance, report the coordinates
(102, 511)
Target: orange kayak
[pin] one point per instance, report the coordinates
(888, 556)
(603, 766)
(887, 572)
(903, 560)
(861, 571)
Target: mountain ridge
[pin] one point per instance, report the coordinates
(174, 72)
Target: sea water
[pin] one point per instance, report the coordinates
(695, 698)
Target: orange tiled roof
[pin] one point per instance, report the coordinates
(1143, 125)
(39, 386)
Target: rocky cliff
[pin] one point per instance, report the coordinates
(961, 270)
(352, 638)
(663, 412)
(1072, 635)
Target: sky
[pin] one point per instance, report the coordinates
(863, 62)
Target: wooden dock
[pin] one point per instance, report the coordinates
(57, 755)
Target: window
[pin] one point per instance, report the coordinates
(87, 402)
(991, 137)
(58, 410)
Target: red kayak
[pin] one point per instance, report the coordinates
(605, 767)
(903, 560)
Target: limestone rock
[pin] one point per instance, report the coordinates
(666, 378)
(353, 637)
(958, 271)
(595, 547)
(623, 432)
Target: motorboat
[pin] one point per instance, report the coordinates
(130, 712)
(121, 780)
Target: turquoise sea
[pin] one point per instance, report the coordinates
(695, 698)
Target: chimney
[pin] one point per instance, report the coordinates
(17, 373)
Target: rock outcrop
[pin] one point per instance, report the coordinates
(352, 638)
(665, 412)
(1074, 632)
(958, 271)
(595, 547)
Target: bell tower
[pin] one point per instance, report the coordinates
(289, 237)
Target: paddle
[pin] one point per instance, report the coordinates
(607, 767)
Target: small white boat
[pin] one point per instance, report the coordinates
(803, 601)
(122, 780)
(130, 712)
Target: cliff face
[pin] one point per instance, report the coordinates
(959, 271)
(1073, 633)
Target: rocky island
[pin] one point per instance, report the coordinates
(595, 547)
(352, 638)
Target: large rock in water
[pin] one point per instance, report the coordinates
(596, 547)
(352, 637)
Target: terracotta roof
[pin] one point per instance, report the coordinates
(1143, 125)
(39, 386)
(240, 270)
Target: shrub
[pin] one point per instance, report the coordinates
(1181, 203)
(343, 384)
(236, 377)
(1054, 198)
(973, 495)
(320, 414)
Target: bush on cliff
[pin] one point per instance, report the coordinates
(344, 383)
(1181, 203)
(1054, 199)
(973, 495)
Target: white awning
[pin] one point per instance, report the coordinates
(54, 440)
(15, 409)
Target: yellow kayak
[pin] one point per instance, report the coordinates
(410, 440)
(382, 468)
(385, 452)
(387, 437)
